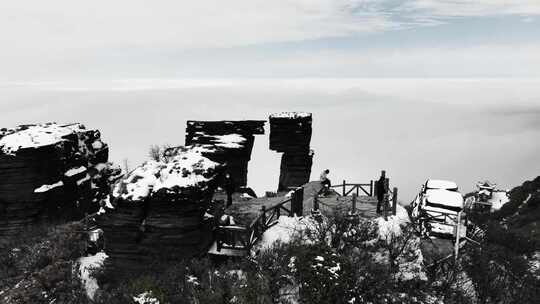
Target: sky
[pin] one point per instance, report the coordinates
(421, 88)
(66, 39)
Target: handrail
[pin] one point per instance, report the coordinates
(269, 216)
(250, 235)
(355, 186)
(278, 205)
(352, 184)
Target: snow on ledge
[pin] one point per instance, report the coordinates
(37, 136)
(441, 184)
(231, 141)
(45, 188)
(188, 168)
(291, 115)
(75, 171)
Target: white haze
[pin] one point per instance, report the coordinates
(464, 130)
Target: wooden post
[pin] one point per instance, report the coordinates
(354, 204)
(385, 206)
(293, 204)
(456, 245)
(218, 239)
(297, 202)
(371, 192)
(263, 217)
(394, 201)
(343, 187)
(315, 211)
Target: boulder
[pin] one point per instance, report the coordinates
(295, 169)
(229, 143)
(157, 211)
(47, 174)
(290, 133)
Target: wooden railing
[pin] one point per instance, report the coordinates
(243, 238)
(349, 188)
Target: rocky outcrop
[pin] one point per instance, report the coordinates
(229, 143)
(158, 211)
(295, 169)
(49, 173)
(290, 133)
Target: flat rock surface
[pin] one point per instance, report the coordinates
(245, 210)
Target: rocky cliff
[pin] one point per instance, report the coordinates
(230, 143)
(49, 173)
(290, 133)
(157, 212)
(521, 214)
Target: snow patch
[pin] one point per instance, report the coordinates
(392, 227)
(97, 145)
(75, 171)
(229, 141)
(37, 136)
(145, 298)
(291, 115)
(285, 229)
(498, 199)
(86, 266)
(83, 180)
(45, 188)
(441, 184)
(186, 169)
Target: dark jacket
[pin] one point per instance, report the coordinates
(229, 185)
(380, 189)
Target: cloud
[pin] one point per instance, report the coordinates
(184, 24)
(64, 25)
(39, 37)
(470, 8)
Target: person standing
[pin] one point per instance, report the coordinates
(230, 187)
(380, 191)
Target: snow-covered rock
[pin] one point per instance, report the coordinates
(188, 168)
(391, 228)
(229, 143)
(286, 229)
(160, 207)
(290, 133)
(86, 266)
(36, 136)
(291, 115)
(44, 174)
(145, 298)
(498, 199)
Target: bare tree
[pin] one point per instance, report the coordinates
(126, 165)
(157, 152)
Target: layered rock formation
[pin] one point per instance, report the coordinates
(229, 143)
(47, 174)
(158, 211)
(290, 133)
